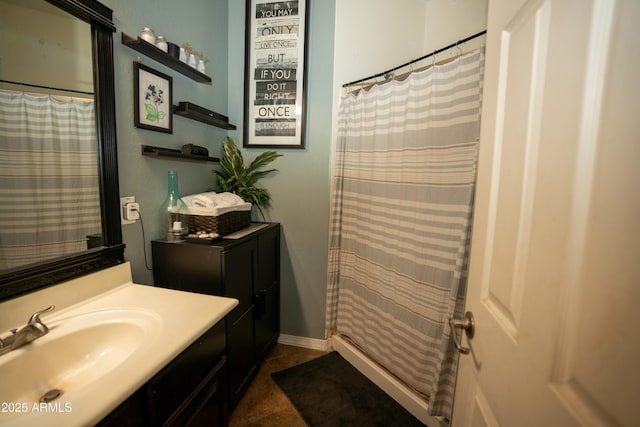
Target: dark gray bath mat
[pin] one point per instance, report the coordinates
(329, 392)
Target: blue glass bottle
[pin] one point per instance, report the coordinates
(172, 226)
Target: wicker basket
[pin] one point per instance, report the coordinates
(224, 224)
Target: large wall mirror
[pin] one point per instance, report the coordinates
(59, 201)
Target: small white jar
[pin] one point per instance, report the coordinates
(148, 35)
(200, 66)
(183, 55)
(193, 61)
(161, 43)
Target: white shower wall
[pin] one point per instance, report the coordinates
(372, 36)
(449, 20)
(375, 35)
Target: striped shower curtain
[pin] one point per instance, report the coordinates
(401, 211)
(49, 198)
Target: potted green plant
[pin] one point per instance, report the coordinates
(235, 178)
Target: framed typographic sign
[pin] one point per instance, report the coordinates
(275, 77)
(152, 99)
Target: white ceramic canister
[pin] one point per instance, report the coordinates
(161, 43)
(148, 35)
(201, 67)
(193, 62)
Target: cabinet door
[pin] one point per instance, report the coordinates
(207, 405)
(131, 413)
(267, 296)
(239, 275)
(179, 380)
(187, 267)
(267, 321)
(242, 358)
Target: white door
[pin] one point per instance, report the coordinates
(555, 260)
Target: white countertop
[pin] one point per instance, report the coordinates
(165, 323)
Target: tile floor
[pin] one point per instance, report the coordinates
(264, 404)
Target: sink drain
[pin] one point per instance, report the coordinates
(51, 395)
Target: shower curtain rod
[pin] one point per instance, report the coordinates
(46, 87)
(435, 52)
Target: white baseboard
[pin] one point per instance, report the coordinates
(310, 343)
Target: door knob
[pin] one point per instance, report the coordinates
(468, 325)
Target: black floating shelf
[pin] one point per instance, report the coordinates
(149, 150)
(164, 58)
(195, 112)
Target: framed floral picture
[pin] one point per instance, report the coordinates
(152, 99)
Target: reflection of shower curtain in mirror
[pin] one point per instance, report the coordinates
(49, 196)
(401, 204)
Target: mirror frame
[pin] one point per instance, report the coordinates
(22, 280)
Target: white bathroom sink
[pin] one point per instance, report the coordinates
(76, 352)
(99, 350)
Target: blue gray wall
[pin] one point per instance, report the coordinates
(300, 190)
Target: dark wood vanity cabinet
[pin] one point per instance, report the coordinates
(247, 269)
(189, 391)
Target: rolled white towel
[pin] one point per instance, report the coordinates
(213, 200)
(188, 200)
(228, 199)
(200, 201)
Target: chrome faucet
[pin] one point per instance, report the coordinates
(31, 332)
